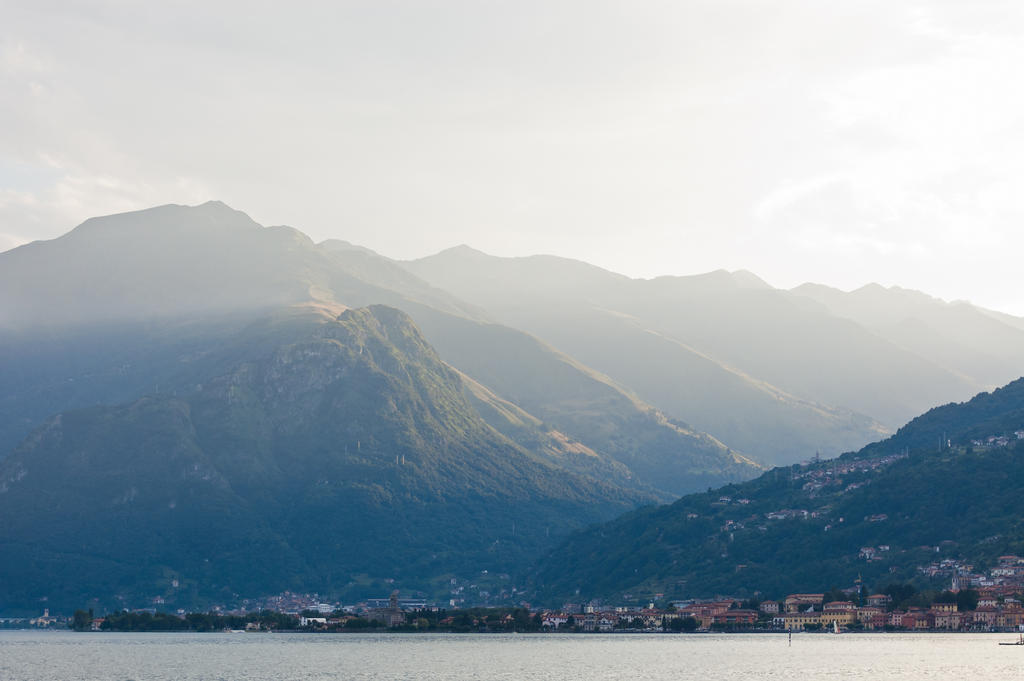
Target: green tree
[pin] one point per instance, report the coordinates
(82, 620)
(835, 594)
(967, 600)
(900, 593)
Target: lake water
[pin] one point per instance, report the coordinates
(66, 656)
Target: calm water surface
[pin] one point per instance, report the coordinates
(60, 656)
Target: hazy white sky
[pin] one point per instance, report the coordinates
(837, 142)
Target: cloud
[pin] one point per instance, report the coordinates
(789, 194)
(50, 211)
(17, 59)
(653, 138)
(9, 241)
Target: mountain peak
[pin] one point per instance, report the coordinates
(721, 278)
(875, 290)
(809, 287)
(747, 279)
(342, 246)
(209, 217)
(214, 204)
(870, 288)
(462, 251)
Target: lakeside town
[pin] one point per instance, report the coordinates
(990, 602)
(993, 601)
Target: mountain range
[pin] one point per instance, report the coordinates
(149, 302)
(197, 408)
(776, 374)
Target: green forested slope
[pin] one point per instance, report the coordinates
(345, 456)
(801, 528)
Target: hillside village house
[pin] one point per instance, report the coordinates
(871, 617)
(840, 606)
(736, 617)
(796, 621)
(1010, 618)
(947, 619)
(392, 616)
(554, 620)
(801, 602)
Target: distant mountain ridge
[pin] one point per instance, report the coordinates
(146, 308)
(816, 378)
(975, 343)
(777, 374)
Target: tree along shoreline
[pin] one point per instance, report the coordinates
(472, 620)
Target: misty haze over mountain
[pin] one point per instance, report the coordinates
(712, 346)
(774, 374)
(838, 143)
(184, 362)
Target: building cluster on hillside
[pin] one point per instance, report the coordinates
(1005, 579)
(818, 476)
(870, 553)
(289, 603)
(993, 441)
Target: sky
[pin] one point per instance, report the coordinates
(835, 142)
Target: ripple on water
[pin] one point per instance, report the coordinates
(66, 656)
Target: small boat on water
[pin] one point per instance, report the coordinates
(1019, 642)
